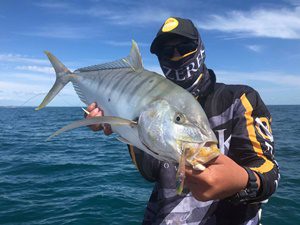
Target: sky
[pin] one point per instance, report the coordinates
(251, 42)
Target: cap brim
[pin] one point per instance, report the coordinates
(157, 42)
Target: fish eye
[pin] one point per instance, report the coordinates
(179, 118)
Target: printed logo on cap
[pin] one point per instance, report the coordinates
(170, 24)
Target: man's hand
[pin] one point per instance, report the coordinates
(94, 111)
(222, 178)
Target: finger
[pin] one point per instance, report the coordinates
(189, 171)
(92, 106)
(101, 112)
(107, 126)
(107, 129)
(96, 127)
(96, 112)
(193, 175)
(93, 113)
(89, 109)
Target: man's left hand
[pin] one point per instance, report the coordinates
(222, 178)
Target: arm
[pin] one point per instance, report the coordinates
(253, 143)
(250, 147)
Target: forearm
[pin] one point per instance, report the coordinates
(268, 182)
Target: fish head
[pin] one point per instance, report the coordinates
(172, 130)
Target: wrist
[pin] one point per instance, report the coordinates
(251, 189)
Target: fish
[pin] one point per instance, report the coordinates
(144, 109)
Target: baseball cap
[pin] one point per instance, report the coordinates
(174, 26)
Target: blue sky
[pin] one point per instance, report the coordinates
(247, 42)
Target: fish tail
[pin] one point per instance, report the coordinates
(62, 78)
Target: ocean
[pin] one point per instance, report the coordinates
(83, 177)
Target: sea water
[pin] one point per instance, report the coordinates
(84, 177)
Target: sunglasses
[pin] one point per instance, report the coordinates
(183, 48)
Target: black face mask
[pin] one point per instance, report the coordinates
(185, 71)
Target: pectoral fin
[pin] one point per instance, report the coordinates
(112, 120)
(123, 140)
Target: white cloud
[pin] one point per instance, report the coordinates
(263, 22)
(52, 5)
(274, 23)
(126, 43)
(101, 14)
(17, 58)
(255, 48)
(260, 77)
(39, 69)
(294, 2)
(64, 32)
(132, 16)
(19, 87)
(29, 77)
(140, 14)
(19, 93)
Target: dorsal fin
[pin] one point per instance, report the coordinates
(133, 61)
(134, 58)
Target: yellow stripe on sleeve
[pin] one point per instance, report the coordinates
(267, 165)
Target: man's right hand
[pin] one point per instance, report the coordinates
(94, 111)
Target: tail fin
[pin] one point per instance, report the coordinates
(61, 79)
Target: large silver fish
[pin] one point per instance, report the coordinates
(144, 108)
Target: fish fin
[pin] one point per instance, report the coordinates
(112, 120)
(60, 69)
(125, 141)
(62, 79)
(117, 64)
(134, 59)
(180, 175)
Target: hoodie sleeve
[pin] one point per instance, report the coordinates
(252, 142)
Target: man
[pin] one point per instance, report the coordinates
(230, 190)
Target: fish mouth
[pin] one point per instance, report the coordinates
(200, 153)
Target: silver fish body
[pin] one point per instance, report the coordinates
(170, 121)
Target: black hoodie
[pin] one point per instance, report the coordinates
(236, 114)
